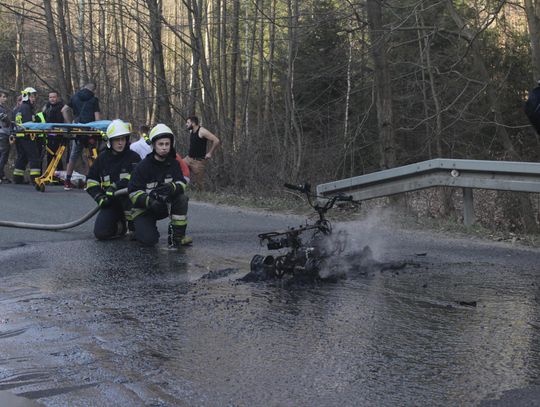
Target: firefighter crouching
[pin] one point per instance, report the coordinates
(157, 183)
(111, 171)
(28, 146)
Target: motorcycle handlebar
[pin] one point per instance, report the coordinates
(306, 188)
(301, 188)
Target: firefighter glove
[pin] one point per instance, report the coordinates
(167, 189)
(103, 200)
(158, 208)
(110, 191)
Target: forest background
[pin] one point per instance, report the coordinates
(313, 90)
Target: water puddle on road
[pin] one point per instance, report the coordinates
(123, 327)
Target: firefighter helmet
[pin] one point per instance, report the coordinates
(27, 92)
(117, 128)
(159, 131)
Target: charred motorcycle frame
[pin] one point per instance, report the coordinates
(307, 247)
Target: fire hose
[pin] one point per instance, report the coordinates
(60, 226)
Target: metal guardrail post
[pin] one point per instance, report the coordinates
(468, 207)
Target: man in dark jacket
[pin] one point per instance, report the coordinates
(53, 114)
(156, 182)
(111, 172)
(82, 108)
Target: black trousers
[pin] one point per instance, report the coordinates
(146, 230)
(111, 221)
(28, 152)
(145, 224)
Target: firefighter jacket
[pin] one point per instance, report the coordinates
(111, 171)
(151, 174)
(23, 113)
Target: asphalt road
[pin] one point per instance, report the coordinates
(84, 322)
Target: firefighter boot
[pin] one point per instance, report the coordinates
(177, 236)
(33, 176)
(131, 230)
(18, 176)
(121, 228)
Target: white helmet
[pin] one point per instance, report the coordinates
(159, 131)
(117, 128)
(26, 93)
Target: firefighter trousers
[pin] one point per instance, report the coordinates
(111, 221)
(28, 152)
(145, 224)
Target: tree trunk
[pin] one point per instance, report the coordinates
(124, 69)
(208, 108)
(163, 108)
(83, 69)
(65, 48)
(234, 69)
(59, 78)
(250, 51)
(385, 116)
(346, 141)
(75, 77)
(293, 129)
(142, 105)
(194, 85)
(260, 75)
(270, 65)
(103, 47)
(532, 10)
(221, 52)
(19, 55)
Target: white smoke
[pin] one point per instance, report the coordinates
(366, 243)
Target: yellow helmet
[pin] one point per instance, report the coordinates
(159, 131)
(117, 128)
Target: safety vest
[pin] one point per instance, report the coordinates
(18, 122)
(40, 118)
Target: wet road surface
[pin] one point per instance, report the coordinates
(90, 323)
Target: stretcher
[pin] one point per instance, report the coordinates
(65, 132)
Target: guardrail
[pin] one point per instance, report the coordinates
(466, 174)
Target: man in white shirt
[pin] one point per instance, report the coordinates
(142, 146)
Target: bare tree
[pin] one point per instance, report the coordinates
(385, 117)
(532, 10)
(162, 103)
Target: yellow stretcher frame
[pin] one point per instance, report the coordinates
(67, 133)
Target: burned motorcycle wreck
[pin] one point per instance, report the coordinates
(313, 251)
